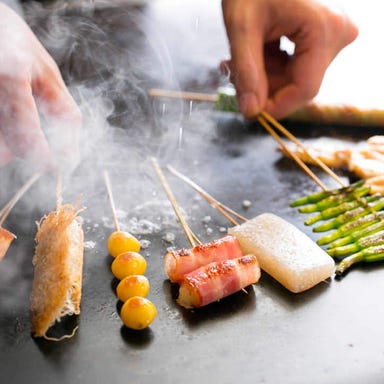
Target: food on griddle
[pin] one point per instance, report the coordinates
(6, 239)
(120, 241)
(312, 112)
(207, 272)
(364, 159)
(358, 234)
(128, 263)
(58, 267)
(177, 263)
(217, 280)
(132, 285)
(332, 152)
(138, 313)
(366, 164)
(284, 252)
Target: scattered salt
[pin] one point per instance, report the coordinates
(169, 237)
(88, 245)
(145, 244)
(207, 219)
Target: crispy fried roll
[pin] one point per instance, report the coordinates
(58, 262)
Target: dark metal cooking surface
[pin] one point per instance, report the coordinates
(330, 334)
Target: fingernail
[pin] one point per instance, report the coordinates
(249, 104)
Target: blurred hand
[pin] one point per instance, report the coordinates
(31, 86)
(267, 78)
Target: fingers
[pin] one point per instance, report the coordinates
(5, 154)
(20, 124)
(306, 72)
(246, 43)
(264, 77)
(315, 50)
(62, 115)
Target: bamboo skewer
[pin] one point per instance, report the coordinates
(195, 96)
(296, 158)
(111, 200)
(369, 253)
(4, 212)
(264, 119)
(192, 238)
(291, 137)
(223, 209)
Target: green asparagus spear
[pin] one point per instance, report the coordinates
(350, 215)
(369, 228)
(331, 201)
(318, 196)
(364, 242)
(332, 212)
(371, 254)
(340, 236)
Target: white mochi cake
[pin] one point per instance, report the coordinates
(284, 252)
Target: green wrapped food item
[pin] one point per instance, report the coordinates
(226, 100)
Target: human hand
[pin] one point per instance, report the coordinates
(31, 87)
(267, 78)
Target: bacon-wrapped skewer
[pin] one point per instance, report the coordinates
(182, 261)
(217, 280)
(221, 267)
(6, 239)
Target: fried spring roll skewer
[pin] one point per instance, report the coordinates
(58, 262)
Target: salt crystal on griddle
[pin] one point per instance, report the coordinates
(169, 237)
(284, 252)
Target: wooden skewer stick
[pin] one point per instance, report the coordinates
(299, 162)
(223, 209)
(291, 137)
(192, 238)
(198, 96)
(111, 200)
(195, 96)
(9, 206)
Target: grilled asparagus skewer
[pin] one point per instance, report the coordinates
(357, 222)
